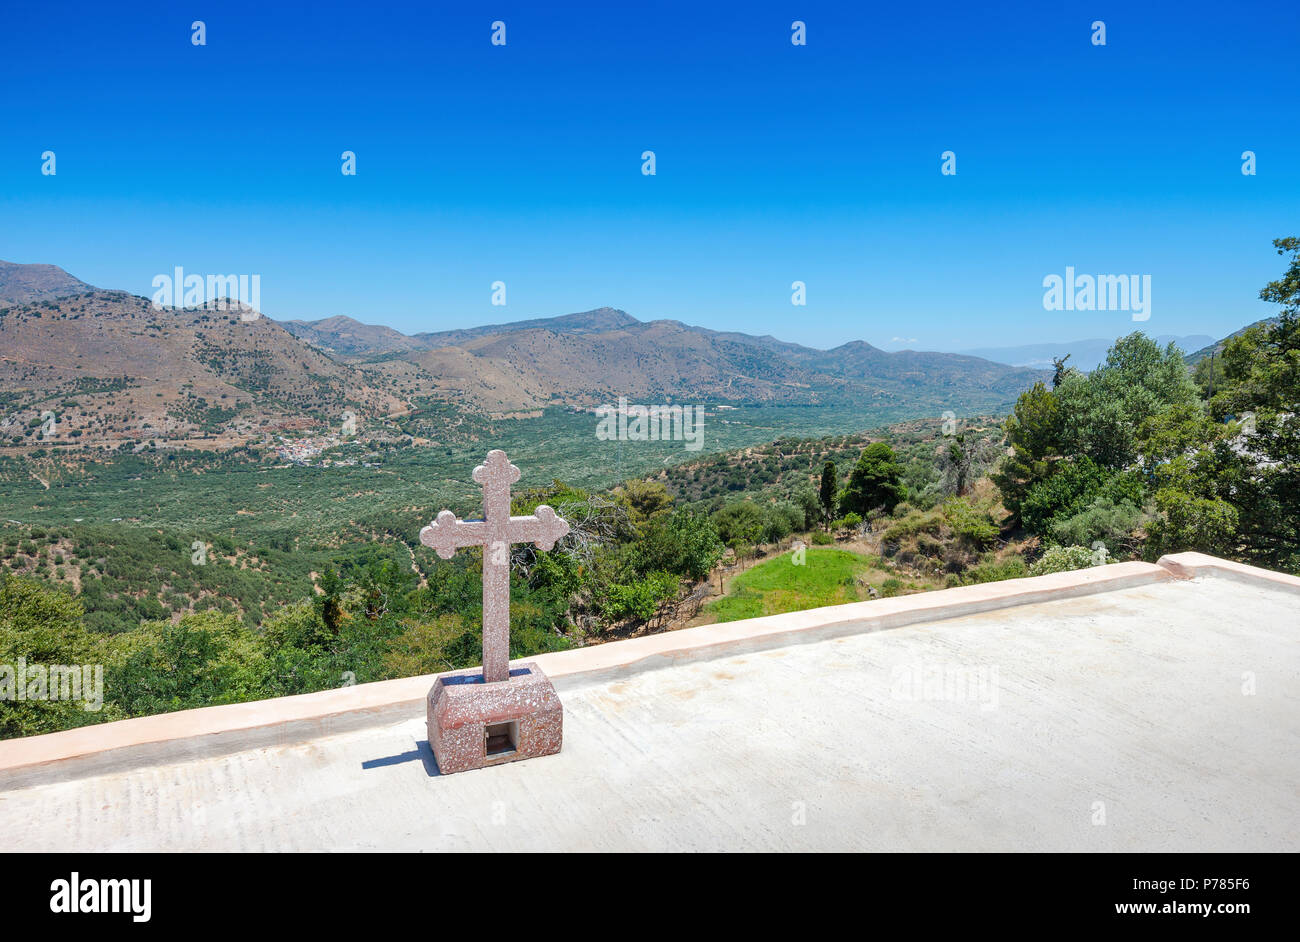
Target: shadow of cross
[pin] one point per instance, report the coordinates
(495, 533)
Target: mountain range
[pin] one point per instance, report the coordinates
(344, 335)
(1084, 354)
(114, 368)
(595, 356)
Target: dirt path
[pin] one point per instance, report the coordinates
(414, 568)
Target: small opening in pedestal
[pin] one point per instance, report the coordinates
(500, 739)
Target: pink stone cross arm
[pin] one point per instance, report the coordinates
(495, 533)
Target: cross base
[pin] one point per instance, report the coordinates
(473, 724)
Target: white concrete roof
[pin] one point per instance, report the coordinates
(1120, 718)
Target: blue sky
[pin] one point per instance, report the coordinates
(775, 163)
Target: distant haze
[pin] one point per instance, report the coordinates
(1084, 354)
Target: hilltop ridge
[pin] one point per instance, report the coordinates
(113, 368)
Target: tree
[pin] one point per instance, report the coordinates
(1259, 474)
(1073, 489)
(959, 460)
(1101, 412)
(329, 604)
(809, 503)
(1137, 408)
(206, 658)
(874, 482)
(382, 585)
(41, 626)
(1286, 290)
(962, 461)
(1185, 523)
(830, 482)
(683, 543)
(740, 522)
(1059, 370)
(780, 520)
(1034, 435)
(647, 498)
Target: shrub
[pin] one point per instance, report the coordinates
(850, 521)
(639, 600)
(911, 525)
(204, 659)
(1192, 523)
(996, 570)
(1105, 520)
(928, 545)
(969, 524)
(428, 647)
(1063, 559)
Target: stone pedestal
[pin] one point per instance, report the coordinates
(473, 724)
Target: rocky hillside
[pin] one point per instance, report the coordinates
(109, 367)
(24, 283)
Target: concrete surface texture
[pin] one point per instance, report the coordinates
(1150, 717)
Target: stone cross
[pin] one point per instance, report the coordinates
(495, 533)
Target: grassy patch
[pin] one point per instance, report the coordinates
(827, 577)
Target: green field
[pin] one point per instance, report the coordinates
(245, 496)
(121, 528)
(827, 577)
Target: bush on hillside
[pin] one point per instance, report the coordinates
(969, 524)
(1073, 489)
(1063, 559)
(1103, 520)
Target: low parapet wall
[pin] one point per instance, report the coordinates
(210, 731)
